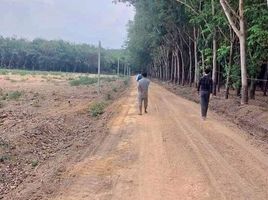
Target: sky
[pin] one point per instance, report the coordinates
(79, 21)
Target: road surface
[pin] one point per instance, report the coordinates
(168, 154)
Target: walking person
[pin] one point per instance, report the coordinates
(143, 86)
(205, 89)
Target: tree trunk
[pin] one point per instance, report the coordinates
(252, 88)
(242, 39)
(196, 79)
(175, 69)
(241, 33)
(182, 68)
(178, 68)
(265, 84)
(229, 70)
(203, 62)
(219, 79)
(190, 63)
(214, 70)
(238, 91)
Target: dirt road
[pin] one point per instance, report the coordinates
(168, 154)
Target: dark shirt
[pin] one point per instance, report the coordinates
(205, 84)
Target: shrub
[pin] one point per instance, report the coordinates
(97, 108)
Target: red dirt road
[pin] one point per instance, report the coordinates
(168, 154)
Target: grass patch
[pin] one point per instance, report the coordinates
(109, 79)
(15, 95)
(3, 72)
(84, 80)
(97, 108)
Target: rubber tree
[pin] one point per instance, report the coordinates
(241, 34)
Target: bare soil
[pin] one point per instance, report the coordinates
(168, 154)
(48, 126)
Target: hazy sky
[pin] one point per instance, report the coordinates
(80, 21)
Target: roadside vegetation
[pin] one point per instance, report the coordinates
(175, 40)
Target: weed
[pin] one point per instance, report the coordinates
(4, 144)
(2, 104)
(83, 80)
(97, 108)
(3, 96)
(34, 163)
(13, 81)
(3, 158)
(108, 97)
(109, 79)
(36, 104)
(114, 89)
(126, 81)
(3, 72)
(14, 95)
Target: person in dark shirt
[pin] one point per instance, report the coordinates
(204, 89)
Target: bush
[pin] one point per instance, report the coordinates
(97, 108)
(83, 80)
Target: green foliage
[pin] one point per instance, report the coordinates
(97, 108)
(54, 55)
(161, 26)
(34, 163)
(84, 80)
(15, 95)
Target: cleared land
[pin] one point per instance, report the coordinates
(167, 154)
(46, 121)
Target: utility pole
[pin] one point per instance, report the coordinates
(99, 60)
(118, 67)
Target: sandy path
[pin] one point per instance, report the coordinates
(168, 154)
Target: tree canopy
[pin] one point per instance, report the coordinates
(175, 40)
(55, 55)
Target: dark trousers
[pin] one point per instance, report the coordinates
(204, 100)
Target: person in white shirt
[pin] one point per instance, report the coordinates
(143, 86)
